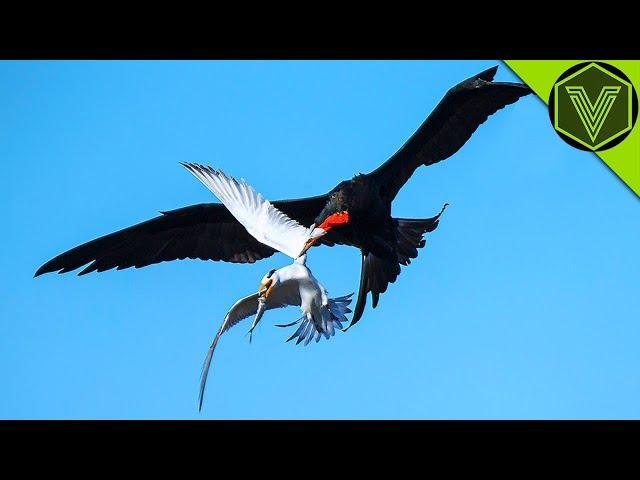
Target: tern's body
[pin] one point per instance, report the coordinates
(313, 296)
(270, 226)
(296, 281)
(296, 285)
(290, 285)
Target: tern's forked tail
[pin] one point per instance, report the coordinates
(333, 317)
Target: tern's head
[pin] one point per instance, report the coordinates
(267, 283)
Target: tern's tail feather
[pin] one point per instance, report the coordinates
(333, 317)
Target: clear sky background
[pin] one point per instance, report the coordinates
(523, 304)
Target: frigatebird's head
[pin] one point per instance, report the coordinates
(267, 283)
(334, 214)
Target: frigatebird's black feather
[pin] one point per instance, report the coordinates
(461, 111)
(377, 273)
(207, 231)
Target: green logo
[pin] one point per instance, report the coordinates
(593, 106)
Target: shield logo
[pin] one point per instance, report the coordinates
(593, 106)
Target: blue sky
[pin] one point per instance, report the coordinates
(523, 304)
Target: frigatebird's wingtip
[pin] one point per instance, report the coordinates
(488, 74)
(49, 267)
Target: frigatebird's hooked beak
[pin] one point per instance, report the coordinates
(316, 233)
(309, 243)
(333, 220)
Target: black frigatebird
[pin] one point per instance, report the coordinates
(356, 212)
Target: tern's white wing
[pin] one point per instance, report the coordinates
(283, 295)
(262, 220)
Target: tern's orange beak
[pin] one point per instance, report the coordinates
(264, 290)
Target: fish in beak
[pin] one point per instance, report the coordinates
(262, 307)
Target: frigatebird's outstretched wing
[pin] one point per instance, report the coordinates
(462, 110)
(206, 231)
(377, 273)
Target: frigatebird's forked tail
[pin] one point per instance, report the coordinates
(377, 273)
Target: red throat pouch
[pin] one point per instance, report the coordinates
(334, 220)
